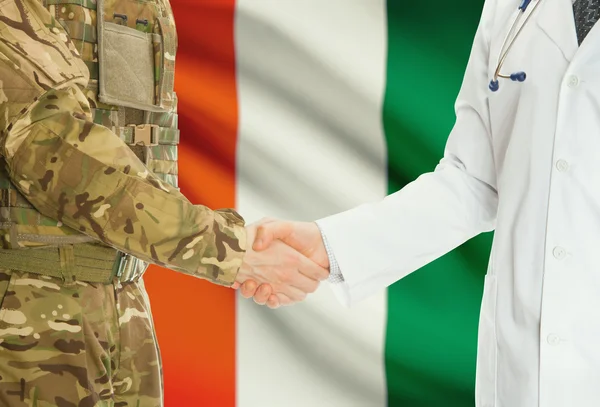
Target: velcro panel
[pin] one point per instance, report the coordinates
(126, 67)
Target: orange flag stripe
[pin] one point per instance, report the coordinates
(195, 320)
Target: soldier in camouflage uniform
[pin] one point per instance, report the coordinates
(89, 197)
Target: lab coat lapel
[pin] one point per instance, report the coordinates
(556, 20)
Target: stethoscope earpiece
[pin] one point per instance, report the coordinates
(518, 76)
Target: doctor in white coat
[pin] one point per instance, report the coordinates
(524, 159)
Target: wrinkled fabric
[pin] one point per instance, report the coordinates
(83, 345)
(80, 173)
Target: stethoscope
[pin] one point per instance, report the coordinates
(506, 46)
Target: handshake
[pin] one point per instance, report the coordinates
(284, 262)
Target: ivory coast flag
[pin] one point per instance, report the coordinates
(299, 109)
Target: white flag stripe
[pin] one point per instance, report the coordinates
(311, 79)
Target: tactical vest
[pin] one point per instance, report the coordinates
(129, 48)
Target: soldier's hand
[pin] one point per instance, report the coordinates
(287, 275)
(302, 236)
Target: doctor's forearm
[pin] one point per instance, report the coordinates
(378, 244)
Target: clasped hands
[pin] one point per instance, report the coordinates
(284, 262)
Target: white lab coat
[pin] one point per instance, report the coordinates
(525, 161)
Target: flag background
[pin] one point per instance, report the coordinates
(399, 75)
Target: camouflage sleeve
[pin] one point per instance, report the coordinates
(81, 173)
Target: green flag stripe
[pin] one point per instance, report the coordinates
(433, 313)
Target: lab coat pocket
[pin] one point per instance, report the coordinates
(485, 384)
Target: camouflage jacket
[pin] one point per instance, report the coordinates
(80, 173)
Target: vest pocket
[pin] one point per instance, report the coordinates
(126, 58)
(485, 384)
(137, 43)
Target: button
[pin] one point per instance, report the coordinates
(55, 30)
(71, 15)
(553, 339)
(559, 252)
(573, 81)
(562, 165)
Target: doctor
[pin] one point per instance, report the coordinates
(524, 159)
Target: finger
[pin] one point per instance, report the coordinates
(293, 293)
(235, 285)
(312, 270)
(267, 232)
(273, 302)
(284, 299)
(300, 282)
(249, 288)
(262, 294)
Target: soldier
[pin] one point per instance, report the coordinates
(89, 197)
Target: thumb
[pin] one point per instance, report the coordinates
(267, 232)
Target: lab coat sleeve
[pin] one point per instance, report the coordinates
(379, 243)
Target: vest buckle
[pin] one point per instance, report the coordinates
(128, 268)
(145, 134)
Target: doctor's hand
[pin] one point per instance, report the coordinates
(286, 273)
(302, 236)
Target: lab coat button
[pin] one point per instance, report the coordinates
(553, 339)
(559, 252)
(562, 165)
(572, 81)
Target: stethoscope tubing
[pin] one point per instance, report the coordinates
(507, 45)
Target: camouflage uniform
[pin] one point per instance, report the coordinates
(88, 197)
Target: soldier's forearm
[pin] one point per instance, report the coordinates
(80, 173)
